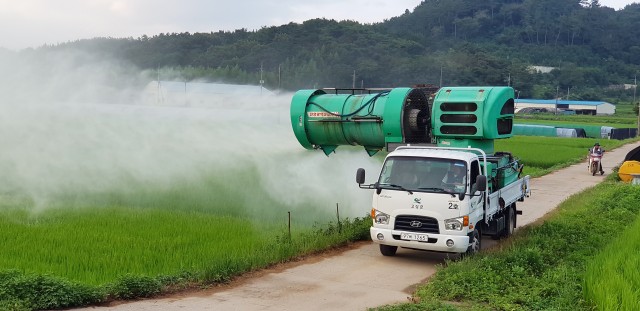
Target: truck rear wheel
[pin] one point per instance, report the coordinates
(387, 250)
(511, 222)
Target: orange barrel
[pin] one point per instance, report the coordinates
(627, 169)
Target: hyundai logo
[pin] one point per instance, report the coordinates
(416, 224)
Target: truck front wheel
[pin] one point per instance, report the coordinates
(474, 242)
(387, 250)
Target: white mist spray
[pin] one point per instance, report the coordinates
(73, 124)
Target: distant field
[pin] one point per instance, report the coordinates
(542, 155)
(624, 110)
(616, 121)
(563, 151)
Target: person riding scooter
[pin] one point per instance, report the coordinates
(596, 150)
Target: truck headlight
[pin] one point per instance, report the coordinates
(456, 224)
(379, 217)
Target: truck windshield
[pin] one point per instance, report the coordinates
(424, 175)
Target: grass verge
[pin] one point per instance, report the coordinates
(542, 267)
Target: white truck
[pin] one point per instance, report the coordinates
(415, 205)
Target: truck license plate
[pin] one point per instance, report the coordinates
(414, 237)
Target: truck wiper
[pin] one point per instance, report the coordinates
(439, 190)
(433, 189)
(399, 187)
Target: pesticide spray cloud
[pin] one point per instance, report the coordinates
(70, 123)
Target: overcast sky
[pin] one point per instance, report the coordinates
(32, 23)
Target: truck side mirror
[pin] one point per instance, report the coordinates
(481, 183)
(360, 176)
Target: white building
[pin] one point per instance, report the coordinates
(577, 106)
(541, 69)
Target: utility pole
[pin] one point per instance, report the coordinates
(440, 76)
(261, 81)
(158, 94)
(557, 90)
(353, 83)
(635, 87)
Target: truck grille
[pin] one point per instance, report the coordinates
(421, 224)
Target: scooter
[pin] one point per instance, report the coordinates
(594, 163)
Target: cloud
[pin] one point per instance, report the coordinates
(32, 23)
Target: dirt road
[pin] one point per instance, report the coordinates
(360, 277)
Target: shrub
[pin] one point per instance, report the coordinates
(132, 286)
(19, 291)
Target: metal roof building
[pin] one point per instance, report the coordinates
(564, 106)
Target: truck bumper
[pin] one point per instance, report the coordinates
(436, 242)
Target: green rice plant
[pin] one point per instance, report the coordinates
(119, 253)
(612, 279)
(95, 246)
(138, 238)
(140, 251)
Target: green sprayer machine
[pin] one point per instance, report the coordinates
(442, 186)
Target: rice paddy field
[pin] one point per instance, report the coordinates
(178, 205)
(612, 278)
(623, 118)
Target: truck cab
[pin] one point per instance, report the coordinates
(427, 199)
(438, 199)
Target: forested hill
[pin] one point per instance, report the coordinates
(526, 24)
(458, 42)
